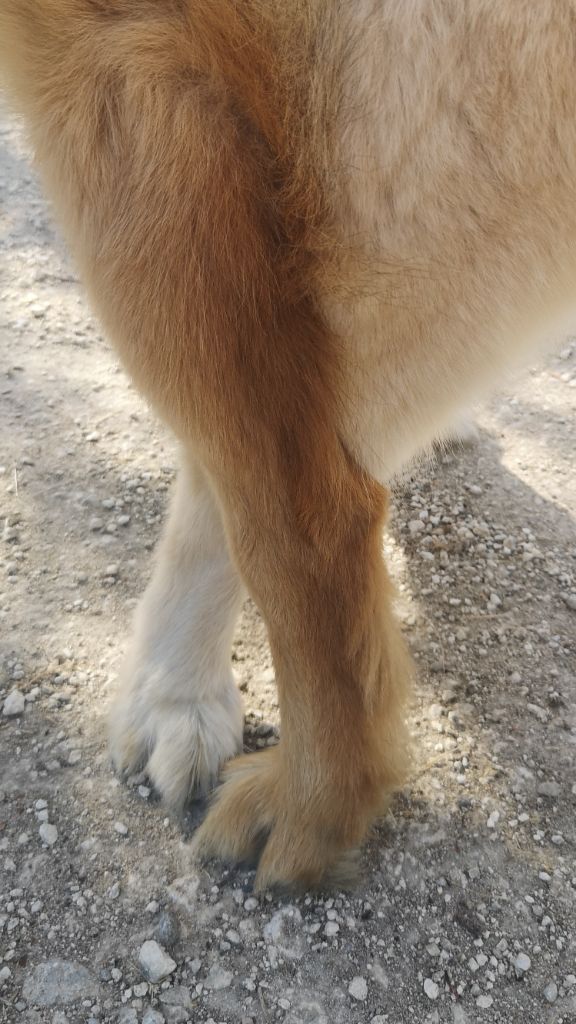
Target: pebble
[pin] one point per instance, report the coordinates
(127, 1015)
(178, 995)
(522, 963)
(48, 833)
(551, 992)
(552, 789)
(14, 704)
(155, 962)
(120, 828)
(358, 989)
(58, 983)
(151, 1016)
(431, 989)
(217, 978)
(284, 934)
(167, 929)
(484, 1002)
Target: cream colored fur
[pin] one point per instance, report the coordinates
(179, 712)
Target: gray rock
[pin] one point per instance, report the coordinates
(307, 1012)
(552, 789)
(58, 983)
(155, 962)
(484, 1002)
(217, 978)
(167, 929)
(151, 1016)
(14, 704)
(284, 934)
(431, 989)
(358, 989)
(127, 1015)
(522, 964)
(551, 992)
(179, 995)
(48, 833)
(176, 1014)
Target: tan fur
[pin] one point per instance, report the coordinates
(312, 229)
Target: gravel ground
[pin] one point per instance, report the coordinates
(467, 908)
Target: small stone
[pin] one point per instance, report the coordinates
(5, 973)
(177, 996)
(484, 1002)
(416, 526)
(551, 992)
(155, 962)
(14, 704)
(153, 1017)
(522, 963)
(59, 982)
(127, 1015)
(114, 891)
(552, 789)
(431, 989)
(358, 989)
(48, 833)
(251, 904)
(493, 819)
(284, 934)
(167, 929)
(217, 978)
(332, 928)
(120, 828)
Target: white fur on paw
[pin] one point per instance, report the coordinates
(181, 745)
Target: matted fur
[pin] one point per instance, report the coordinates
(312, 230)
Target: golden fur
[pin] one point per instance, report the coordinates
(311, 229)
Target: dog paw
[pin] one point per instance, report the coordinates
(252, 817)
(181, 745)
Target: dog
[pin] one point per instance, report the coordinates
(313, 231)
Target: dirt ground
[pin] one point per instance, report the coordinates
(467, 908)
